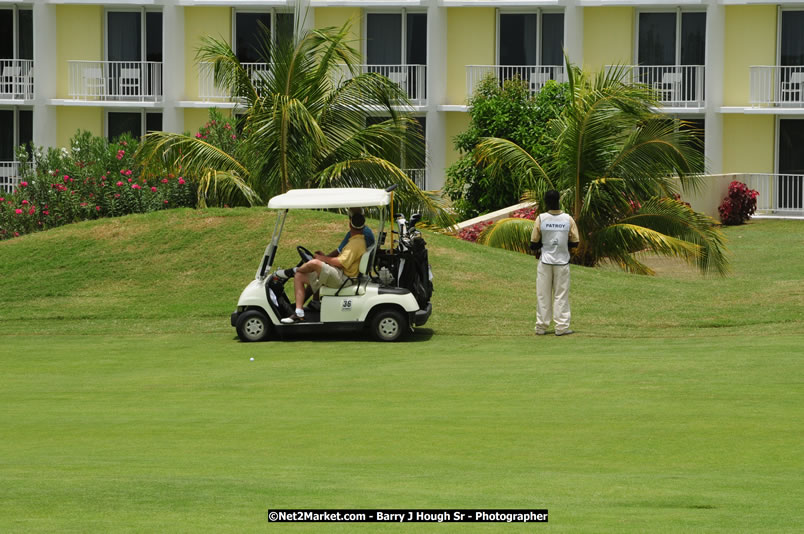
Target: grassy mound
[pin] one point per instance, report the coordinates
(183, 270)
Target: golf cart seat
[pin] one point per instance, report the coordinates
(363, 276)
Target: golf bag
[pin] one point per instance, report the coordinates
(409, 264)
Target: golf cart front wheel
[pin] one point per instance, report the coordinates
(253, 325)
(389, 325)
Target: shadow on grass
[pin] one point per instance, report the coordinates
(418, 335)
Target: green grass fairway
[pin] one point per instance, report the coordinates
(128, 404)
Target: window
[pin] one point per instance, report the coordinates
(527, 40)
(396, 46)
(16, 129)
(791, 51)
(132, 122)
(530, 39)
(790, 189)
(134, 37)
(16, 53)
(671, 50)
(248, 32)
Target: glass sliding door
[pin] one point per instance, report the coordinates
(384, 39)
(122, 122)
(790, 182)
(249, 36)
(132, 40)
(518, 38)
(552, 39)
(6, 135)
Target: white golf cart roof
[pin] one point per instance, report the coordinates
(343, 197)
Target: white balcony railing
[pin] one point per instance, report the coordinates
(419, 177)
(777, 86)
(411, 78)
(677, 86)
(536, 76)
(9, 175)
(16, 79)
(778, 193)
(132, 81)
(208, 91)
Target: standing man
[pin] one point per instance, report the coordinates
(554, 234)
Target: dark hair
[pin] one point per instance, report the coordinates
(551, 199)
(357, 221)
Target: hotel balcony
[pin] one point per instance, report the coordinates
(411, 78)
(536, 76)
(677, 86)
(777, 87)
(115, 81)
(16, 79)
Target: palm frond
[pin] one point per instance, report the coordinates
(509, 234)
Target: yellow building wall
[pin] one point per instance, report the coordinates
(70, 119)
(195, 118)
(79, 36)
(456, 122)
(326, 17)
(471, 40)
(214, 22)
(750, 40)
(748, 143)
(608, 37)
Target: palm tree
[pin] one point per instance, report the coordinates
(619, 167)
(310, 120)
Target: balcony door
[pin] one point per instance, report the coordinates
(134, 37)
(528, 40)
(396, 46)
(135, 123)
(249, 36)
(790, 182)
(669, 45)
(16, 129)
(16, 53)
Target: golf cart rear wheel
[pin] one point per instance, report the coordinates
(389, 325)
(253, 325)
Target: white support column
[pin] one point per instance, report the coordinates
(715, 34)
(573, 31)
(437, 141)
(44, 70)
(172, 67)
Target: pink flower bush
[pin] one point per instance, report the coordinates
(153, 189)
(471, 233)
(18, 211)
(135, 186)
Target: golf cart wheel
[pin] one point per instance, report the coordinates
(253, 325)
(389, 325)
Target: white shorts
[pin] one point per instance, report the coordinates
(330, 276)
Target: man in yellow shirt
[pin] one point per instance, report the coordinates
(330, 271)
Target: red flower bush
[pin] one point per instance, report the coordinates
(739, 205)
(471, 233)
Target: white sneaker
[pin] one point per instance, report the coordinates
(539, 332)
(564, 333)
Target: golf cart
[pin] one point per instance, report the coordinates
(389, 296)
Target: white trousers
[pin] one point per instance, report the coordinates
(552, 297)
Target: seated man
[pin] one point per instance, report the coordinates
(330, 271)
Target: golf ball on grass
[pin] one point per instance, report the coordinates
(252, 359)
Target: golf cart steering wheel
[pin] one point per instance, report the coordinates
(305, 254)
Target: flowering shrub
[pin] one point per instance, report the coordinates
(471, 233)
(93, 179)
(220, 131)
(739, 204)
(525, 213)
